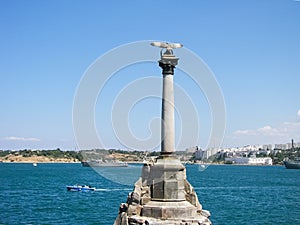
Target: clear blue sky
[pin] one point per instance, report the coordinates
(253, 48)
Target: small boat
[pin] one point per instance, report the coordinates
(34, 164)
(292, 164)
(80, 188)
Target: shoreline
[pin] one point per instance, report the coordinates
(130, 162)
(27, 162)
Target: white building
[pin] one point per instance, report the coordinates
(250, 160)
(281, 146)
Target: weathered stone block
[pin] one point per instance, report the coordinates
(145, 191)
(156, 212)
(191, 196)
(124, 219)
(145, 200)
(158, 190)
(171, 189)
(132, 210)
(135, 197)
(146, 211)
(134, 220)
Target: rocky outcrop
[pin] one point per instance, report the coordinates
(162, 196)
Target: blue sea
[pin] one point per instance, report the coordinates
(233, 194)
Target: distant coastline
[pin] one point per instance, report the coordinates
(132, 157)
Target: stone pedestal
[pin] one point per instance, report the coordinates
(162, 196)
(166, 179)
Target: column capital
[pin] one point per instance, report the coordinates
(167, 69)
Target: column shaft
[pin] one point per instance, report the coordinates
(167, 126)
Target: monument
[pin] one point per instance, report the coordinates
(163, 195)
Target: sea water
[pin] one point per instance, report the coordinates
(233, 194)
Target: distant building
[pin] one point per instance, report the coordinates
(212, 151)
(205, 154)
(289, 146)
(250, 160)
(267, 147)
(281, 146)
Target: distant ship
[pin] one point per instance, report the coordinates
(292, 164)
(101, 163)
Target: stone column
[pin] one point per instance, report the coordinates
(167, 63)
(167, 125)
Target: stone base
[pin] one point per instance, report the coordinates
(123, 219)
(139, 220)
(162, 196)
(169, 210)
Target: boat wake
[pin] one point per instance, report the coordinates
(112, 189)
